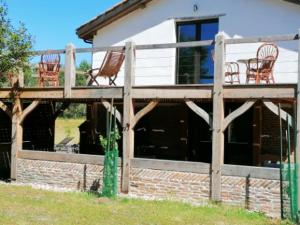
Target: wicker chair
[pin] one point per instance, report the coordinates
(49, 68)
(232, 71)
(110, 68)
(261, 67)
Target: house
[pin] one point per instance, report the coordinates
(165, 21)
(193, 141)
(185, 136)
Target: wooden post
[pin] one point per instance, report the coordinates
(21, 77)
(218, 117)
(70, 70)
(16, 136)
(298, 119)
(128, 116)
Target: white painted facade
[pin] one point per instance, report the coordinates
(157, 24)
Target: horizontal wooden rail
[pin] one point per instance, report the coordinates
(165, 165)
(176, 45)
(61, 157)
(274, 38)
(120, 48)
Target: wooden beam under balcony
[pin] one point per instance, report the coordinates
(279, 91)
(58, 93)
(173, 92)
(275, 91)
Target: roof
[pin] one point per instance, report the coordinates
(87, 30)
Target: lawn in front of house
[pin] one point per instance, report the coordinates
(25, 205)
(67, 128)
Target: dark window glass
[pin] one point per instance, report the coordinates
(195, 65)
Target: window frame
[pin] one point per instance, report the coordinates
(198, 24)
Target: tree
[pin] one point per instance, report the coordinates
(15, 45)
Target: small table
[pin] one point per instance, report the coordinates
(248, 62)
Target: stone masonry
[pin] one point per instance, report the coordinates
(255, 194)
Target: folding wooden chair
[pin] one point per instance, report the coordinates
(110, 68)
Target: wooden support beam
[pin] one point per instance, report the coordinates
(28, 110)
(108, 107)
(128, 116)
(200, 112)
(5, 109)
(274, 109)
(70, 70)
(16, 136)
(144, 111)
(218, 117)
(18, 116)
(298, 120)
(236, 113)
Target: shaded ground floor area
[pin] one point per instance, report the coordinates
(171, 131)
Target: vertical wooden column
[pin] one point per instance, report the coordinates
(128, 116)
(298, 119)
(218, 117)
(16, 136)
(70, 70)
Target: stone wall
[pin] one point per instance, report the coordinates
(253, 193)
(72, 176)
(149, 183)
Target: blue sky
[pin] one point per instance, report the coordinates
(52, 23)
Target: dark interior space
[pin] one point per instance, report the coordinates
(5, 145)
(39, 128)
(173, 132)
(238, 148)
(93, 127)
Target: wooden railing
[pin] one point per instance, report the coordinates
(218, 92)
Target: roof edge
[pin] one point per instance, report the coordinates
(89, 29)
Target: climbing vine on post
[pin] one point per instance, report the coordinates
(110, 172)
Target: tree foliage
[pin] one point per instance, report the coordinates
(15, 45)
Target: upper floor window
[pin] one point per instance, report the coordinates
(195, 65)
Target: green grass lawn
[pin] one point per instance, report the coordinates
(67, 128)
(25, 205)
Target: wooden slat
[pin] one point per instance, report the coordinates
(128, 116)
(236, 113)
(97, 93)
(251, 172)
(273, 38)
(61, 157)
(70, 71)
(255, 92)
(241, 92)
(218, 117)
(100, 49)
(77, 93)
(176, 45)
(16, 136)
(172, 93)
(42, 52)
(169, 165)
(143, 112)
(200, 112)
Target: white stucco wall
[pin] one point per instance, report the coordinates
(155, 24)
